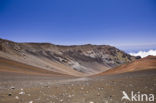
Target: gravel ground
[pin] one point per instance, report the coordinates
(100, 89)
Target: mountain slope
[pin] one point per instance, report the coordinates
(78, 60)
(137, 65)
(17, 67)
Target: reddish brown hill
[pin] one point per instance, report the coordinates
(11, 66)
(137, 65)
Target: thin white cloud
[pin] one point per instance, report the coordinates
(144, 53)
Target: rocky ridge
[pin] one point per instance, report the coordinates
(74, 60)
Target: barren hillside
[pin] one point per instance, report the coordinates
(78, 60)
(147, 63)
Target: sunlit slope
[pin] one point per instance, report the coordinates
(11, 66)
(146, 63)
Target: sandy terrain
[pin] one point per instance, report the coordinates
(16, 88)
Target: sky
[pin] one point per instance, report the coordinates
(122, 23)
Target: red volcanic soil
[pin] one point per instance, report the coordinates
(11, 66)
(137, 65)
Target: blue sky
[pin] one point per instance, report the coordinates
(121, 23)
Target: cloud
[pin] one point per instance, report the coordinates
(144, 53)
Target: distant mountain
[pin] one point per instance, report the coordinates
(137, 65)
(77, 60)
